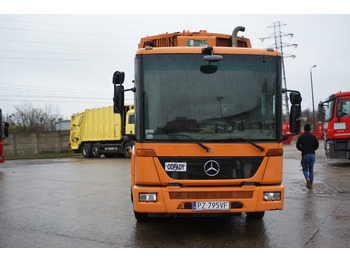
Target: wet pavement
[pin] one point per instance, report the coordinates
(79, 202)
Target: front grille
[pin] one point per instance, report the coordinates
(211, 195)
(198, 168)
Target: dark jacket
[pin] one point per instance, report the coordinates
(307, 143)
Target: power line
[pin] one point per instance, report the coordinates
(61, 32)
(90, 101)
(57, 53)
(279, 44)
(38, 94)
(40, 89)
(58, 59)
(55, 96)
(73, 44)
(114, 21)
(55, 24)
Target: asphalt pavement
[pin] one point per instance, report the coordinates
(85, 203)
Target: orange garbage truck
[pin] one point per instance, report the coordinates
(208, 128)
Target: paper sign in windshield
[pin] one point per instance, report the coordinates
(175, 167)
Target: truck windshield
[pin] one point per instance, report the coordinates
(329, 106)
(233, 99)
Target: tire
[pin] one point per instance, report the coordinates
(131, 196)
(86, 150)
(255, 215)
(95, 151)
(110, 155)
(140, 216)
(126, 149)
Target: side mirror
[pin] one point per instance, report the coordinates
(295, 98)
(295, 111)
(118, 78)
(6, 129)
(295, 119)
(118, 99)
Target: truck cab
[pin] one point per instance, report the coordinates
(208, 130)
(337, 126)
(130, 122)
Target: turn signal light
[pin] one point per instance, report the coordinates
(274, 152)
(145, 153)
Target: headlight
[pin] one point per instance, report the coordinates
(272, 196)
(148, 197)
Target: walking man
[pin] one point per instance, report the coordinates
(307, 143)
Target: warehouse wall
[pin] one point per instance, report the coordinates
(20, 144)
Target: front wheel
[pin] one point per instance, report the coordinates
(255, 215)
(140, 216)
(86, 150)
(127, 149)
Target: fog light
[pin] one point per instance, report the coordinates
(148, 197)
(272, 196)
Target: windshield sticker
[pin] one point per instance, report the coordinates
(177, 167)
(149, 133)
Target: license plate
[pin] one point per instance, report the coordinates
(211, 206)
(111, 148)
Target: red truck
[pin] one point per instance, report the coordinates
(3, 133)
(337, 126)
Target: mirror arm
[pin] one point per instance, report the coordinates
(292, 91)
(131, 89)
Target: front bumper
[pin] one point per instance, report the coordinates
(176, 199)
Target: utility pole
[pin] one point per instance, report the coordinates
(279, 44)
(312, 93)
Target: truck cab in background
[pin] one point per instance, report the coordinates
(337, 126)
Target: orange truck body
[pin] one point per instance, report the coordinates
(174, 173)
(175, 196)
(187, 38)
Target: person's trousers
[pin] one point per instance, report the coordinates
(307, 163)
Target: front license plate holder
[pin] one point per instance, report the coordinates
(211, 206)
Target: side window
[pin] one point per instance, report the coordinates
(346, 108)
(343, 108)
(131, 119)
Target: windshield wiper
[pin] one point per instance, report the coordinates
(209, 150)
(252, 143)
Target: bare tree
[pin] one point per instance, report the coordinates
(26, 118)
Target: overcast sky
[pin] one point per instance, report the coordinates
(67, 60)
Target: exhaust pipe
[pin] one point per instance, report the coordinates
(234, 35)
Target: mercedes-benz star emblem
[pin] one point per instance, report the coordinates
(211, 168)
